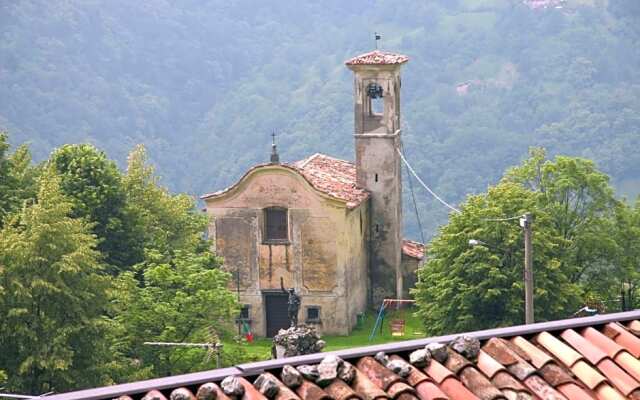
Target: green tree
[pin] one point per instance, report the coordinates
(171, 221)
(17, 177)
(613, 283)
(581, 204)
(463, 288)
(52, 296)
(94, 184)
(184, 299)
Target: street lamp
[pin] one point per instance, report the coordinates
(525, 223)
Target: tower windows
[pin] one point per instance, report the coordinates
(276, 225)
(376, 101)
(376, 177)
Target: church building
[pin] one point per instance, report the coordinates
(329, 228)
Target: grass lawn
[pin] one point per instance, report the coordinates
(260, 349)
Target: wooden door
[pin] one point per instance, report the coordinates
(276, 308)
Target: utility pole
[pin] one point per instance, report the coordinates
(526, 222)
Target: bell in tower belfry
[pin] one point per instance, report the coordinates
(378, 168)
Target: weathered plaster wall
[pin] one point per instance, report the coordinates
(324, 260)
(409, 268)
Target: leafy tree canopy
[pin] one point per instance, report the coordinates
(17, 177)
(465, 288)
(182, 299)
(94, 184)
(583, 244)
(52, 295)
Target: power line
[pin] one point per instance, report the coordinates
(413, 198)
(413, 172)
(502, 219)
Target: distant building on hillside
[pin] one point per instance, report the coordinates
(542, 4)
(329, 228)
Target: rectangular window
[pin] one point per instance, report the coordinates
(276, 224)
(313, 314)
(244, 311)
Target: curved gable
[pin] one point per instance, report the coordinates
(324, 176)
(272, 183)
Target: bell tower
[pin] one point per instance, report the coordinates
(378, 168)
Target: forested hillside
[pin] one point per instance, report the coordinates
(203, 84)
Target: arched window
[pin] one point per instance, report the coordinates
(276, 224)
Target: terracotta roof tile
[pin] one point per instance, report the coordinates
(623, 337)
(430, 391)
(377, 57)
(586, 348)
(377, 373)
(250, 392)
(339, 390)
(488, 365)
(616, 375)
(634, 326)
(479, 384)
(416, 376)
(542, 389)
(629, 363)
(456, 390)
(332, 176)
(284, 393)
(606, 392)
(599, 340)
(504, 381)
(401, 389)
(574, 392)
(587, 374)
(555, 375)
(538, 357)
(455, 362)
(413, 249)
(561, 351)
(366, 388)
(311, 391)
(437, 371)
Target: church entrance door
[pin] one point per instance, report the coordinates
(276, 309)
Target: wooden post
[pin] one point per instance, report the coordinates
(526, 224)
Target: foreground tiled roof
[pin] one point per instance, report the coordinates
(377, 57)
(582, 358)
(413, 249)
(332, 176)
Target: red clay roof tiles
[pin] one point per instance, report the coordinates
(332, 176)
(629, 363)
(588, 350)
(571, 362)
(413, 249)
(377, 57)
(311, 391)
(596, 338)
(623, 337)
(561, 351)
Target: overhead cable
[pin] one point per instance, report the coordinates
(413, 172)
(502, 219)
(413, 198)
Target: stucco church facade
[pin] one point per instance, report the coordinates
(329, 228)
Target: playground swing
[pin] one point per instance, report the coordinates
(397, 325)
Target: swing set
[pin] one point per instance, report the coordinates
(397, 325)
